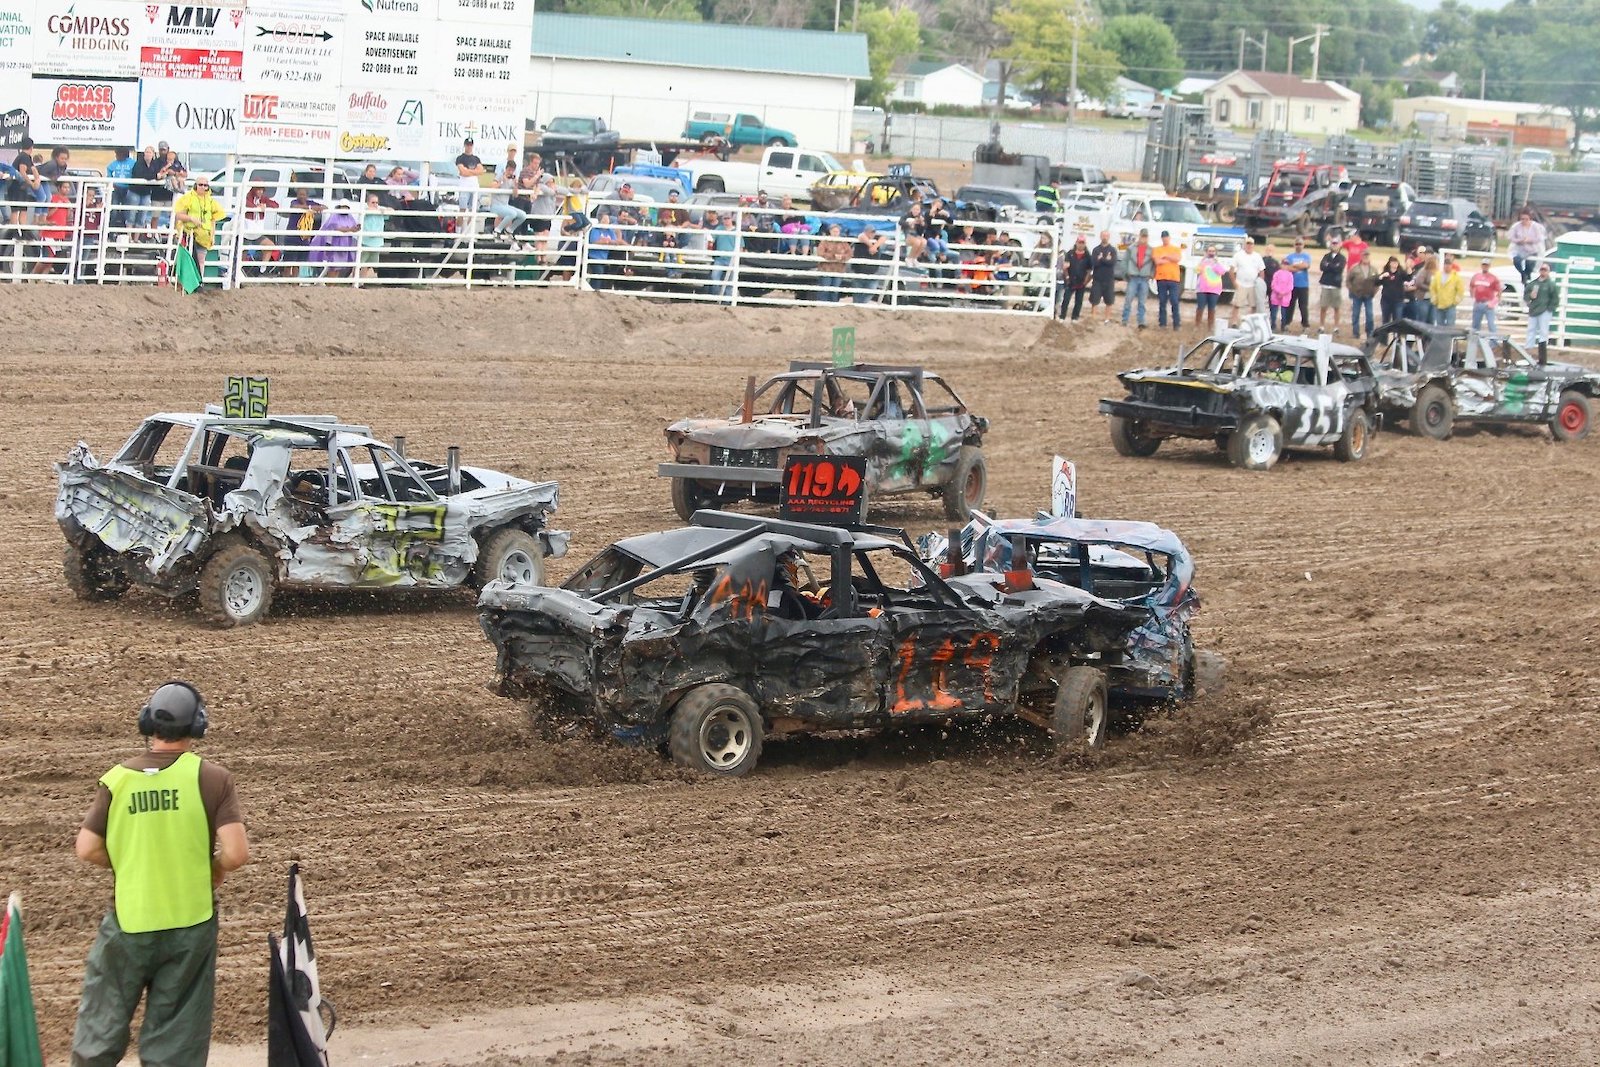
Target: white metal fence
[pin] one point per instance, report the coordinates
(93, 233)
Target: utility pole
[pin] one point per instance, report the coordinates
(1316, 51)
(1253, 43)
(1315, 36)
(1072, 88)
(836, 4)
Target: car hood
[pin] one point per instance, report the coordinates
(770, 432)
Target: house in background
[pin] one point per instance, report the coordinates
(1262, 100)
(936, 83)
(1131, 99)
(1491, 121)
(1194, 85)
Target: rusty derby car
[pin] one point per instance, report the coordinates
(916, 435)
(708, 639)
(230, 509)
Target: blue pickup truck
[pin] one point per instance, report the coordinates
(712, 127)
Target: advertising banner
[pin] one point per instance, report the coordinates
(398, 54)
(289, 48)
(16, 69)
(381, 124)
(192, 116)
(84, 111)
(481, 58)
(98, 38)
(492, 121)
(179, 26)
(292, 121)
(503, 13)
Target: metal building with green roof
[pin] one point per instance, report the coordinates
(647, 77)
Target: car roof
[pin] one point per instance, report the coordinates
(802, 368)
(301, 431)
(711, 528)
(1118, 531)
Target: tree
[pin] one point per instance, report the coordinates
(892, 35)
(1041, 33)
(681, 10)
(1146, 48)
(1556, 61)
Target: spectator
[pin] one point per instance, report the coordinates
(334, 246)
(1419, 283)
(400, 188)
(369, 178)
(26, 183)
(1544, 296)
(1362, 281)
(1330, 278)
(469, 175)
(1209, 274)
(1169, 280)
(1298, 264)
(195, 215)
(833, 254)
(119, 170)
(545, 202)
(1353, 247)
(1076, 267)
(792, 224)
(937, 230)
(868, 250)
(142, 186)
(1249, 283)
(603, 241)
(1282, 299)
(1446, 289)
(721, 240)
(574, 206)
(911, 225)
(1484, 287)
(373, 224)
(533, 170)
(305, 218)
(672, 216)
(510, 218)
(173, 179)
(1392, 281)
(1528, 240)
(1103, 275)
(259, 225)
(55, 170)
(55, 231)
(1138, 267)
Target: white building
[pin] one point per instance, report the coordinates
(937, 82)
(1258, 100)
(645, 77)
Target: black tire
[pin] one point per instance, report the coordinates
(512, 555)
(1573, 417)
(1351, 447)
(1256, 444)
(1129, 439)
(236, 585)
(709, 185)
(1433, 415)
(1081, 717)
(966, 488)
(92, 574)
(1391, 236)
(709, 140)
(777, 142)
(687, 498)
(716, 729)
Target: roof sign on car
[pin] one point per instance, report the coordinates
(245, 398)
(828, 490)
(844, 346)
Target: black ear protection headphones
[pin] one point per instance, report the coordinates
(176, 708)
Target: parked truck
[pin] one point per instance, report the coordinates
(782, 171)
(713, 127)
(1126, 208)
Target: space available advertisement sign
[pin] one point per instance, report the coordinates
(99, 38)
(84, 111)
(382, 124)
(393, 53)
(493, 122)
(194, 42)
(189, 115)
(484, 58)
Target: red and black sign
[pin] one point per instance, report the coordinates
(824, 489)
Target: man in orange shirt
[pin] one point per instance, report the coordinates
(1169, 279)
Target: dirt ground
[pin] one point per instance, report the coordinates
(1376, 846)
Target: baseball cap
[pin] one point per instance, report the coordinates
(1164, 233)
(1485, 262)
(162, 146)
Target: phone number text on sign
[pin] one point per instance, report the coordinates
(481, 59)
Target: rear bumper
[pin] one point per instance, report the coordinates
(701, 472)
(1187, 421)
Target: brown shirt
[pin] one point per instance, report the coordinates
(216, 792)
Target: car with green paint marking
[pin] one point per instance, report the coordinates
(228, 510)
(916, 435)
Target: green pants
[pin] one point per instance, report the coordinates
(174, 970)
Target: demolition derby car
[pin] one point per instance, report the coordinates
(710, 638)
(1438, 376)
(1136, 564)
(233, 508)
(1253, 393)
(914, 431)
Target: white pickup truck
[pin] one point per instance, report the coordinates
(782, 171)
(1128, 207)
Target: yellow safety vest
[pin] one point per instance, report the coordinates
(159, 841)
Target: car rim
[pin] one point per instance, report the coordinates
(1260, 446)
(974, 490)
(1573, 419)
(1434, 415)
(1094, 718)
(1358, 436)
(725, 737)
(242, 592)
(517, 568)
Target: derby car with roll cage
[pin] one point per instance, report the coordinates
(1437, 377)
(1255, 394)
(709, 639)
(231, 509)
(915, 433)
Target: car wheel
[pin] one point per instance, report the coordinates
(1572, 417)
(511, 555)
(236, 585)
(709, 140)
(1081, 716)
(1352, 444)
(1256, 444)
(92, 573)
(777, 142)
(716, 729)
(966, 487)
(1129, 438)
(687, 498)
(1433, 415)
(1391, 236)
(709, 185)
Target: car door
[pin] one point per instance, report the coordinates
(1312, 414)
(780, 175)
(390, 519)
(1523, 389)
(1475, 388)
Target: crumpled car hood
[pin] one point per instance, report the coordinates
(127, 512)
(760, 432)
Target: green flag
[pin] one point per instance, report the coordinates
(19, 1030)
(185, 270)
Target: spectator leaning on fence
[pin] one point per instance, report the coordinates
(1527, 240)
(1544, 296)
(141, 190)
(196, 215)
(26, 185)
(469, 172)
(833, 254)
(119, 170)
